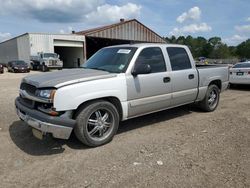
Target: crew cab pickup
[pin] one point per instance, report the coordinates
(115, 84)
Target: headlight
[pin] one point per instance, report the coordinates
(46, 93)
(15, 67)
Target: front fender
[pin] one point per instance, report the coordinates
(72, 96)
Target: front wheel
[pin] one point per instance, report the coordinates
(211, 100)
(43, 68)
(96, 123)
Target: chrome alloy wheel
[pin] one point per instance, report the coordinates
(213, 98)
(100, 124)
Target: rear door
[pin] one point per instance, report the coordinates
(184, 76)
(149, 92)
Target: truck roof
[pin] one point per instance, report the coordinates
(138, 45)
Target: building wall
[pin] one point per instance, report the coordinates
(8, 51)
(23, 48)
(29, 44)
(46, 42)
(40, 43)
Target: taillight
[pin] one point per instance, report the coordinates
(248, 72)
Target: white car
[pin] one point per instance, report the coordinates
(240, 73)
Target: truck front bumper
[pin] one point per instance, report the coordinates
(59, 127)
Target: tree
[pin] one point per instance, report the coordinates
(181, 40)
(212, 48)
(243, 49)
(215, 41)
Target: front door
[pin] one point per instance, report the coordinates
(149, 92)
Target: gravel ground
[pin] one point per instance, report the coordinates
(182, 147)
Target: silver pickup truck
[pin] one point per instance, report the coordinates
(115, 84)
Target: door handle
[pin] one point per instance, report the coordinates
(190, 76)
(166, 79)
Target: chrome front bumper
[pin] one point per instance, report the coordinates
(45, 123)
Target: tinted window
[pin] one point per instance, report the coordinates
(48, 55)
(114, 59)
(178, 58)
(242, 65)
(152, 56)
(18, 63)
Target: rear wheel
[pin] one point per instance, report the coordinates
(211, 100)
(96, 123)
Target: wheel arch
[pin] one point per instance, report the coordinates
(217, 82)
(113, 100)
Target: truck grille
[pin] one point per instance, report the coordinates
(28, 88)
(28, 103)
(52, 62)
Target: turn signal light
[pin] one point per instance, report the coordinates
(53, 113)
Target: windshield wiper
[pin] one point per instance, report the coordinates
(96, 68)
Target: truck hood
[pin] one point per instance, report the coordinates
(66, 77)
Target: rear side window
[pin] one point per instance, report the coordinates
(179, 59)
(154, 57)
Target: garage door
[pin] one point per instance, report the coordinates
(67, 43)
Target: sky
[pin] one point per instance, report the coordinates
(228, 19)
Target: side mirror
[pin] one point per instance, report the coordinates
(141, 69)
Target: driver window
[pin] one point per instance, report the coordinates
(152, 56)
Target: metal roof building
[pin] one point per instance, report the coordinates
(70, 47)
(124, 32)
(131, 30)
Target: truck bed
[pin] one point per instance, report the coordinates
(206, 75)
(210, 66)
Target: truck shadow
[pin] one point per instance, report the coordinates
(240, 87)
(22, 136)
(157, 117)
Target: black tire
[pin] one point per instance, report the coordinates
(232, 86)
(43, 68)
(211, 100)
(32, 66)
(95, 128)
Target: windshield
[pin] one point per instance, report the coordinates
(242, 65)
(114, 59)
(19, 63)
(48, 55)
